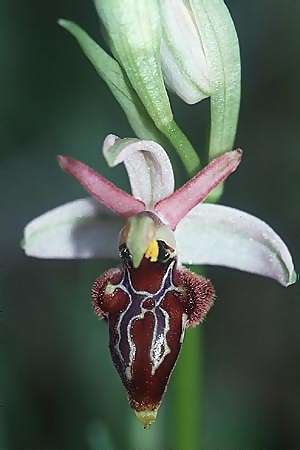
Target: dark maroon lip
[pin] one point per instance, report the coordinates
(148, 310)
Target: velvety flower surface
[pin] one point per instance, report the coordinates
(150, 299)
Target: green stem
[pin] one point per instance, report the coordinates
(186, 418)
(188, 373)
(183, 147)
(187, 404)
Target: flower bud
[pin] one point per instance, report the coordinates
(200, 58)
(183, 58)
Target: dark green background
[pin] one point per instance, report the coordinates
(60, 391)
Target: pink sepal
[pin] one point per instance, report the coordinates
(173, 208)
(101, 189)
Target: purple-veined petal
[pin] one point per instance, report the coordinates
(101, 189)
(173, 208)
(147, 164)
(79, 229)
(224, 236)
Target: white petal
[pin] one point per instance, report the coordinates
(79, 229)
(147, 164)
(219, 235)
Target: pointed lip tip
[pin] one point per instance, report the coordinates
(147, 417)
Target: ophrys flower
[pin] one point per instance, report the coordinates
(151, 299)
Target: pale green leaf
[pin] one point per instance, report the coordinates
(110, 71)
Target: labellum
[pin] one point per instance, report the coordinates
(148, 309)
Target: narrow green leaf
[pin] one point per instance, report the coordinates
(111, 72)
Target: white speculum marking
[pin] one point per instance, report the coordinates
(183, 327)
(159, 347)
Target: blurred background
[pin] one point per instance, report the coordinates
(59, 390)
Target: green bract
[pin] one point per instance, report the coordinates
(110, 71)
(220, 43)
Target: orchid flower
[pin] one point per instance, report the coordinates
(151, 298)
